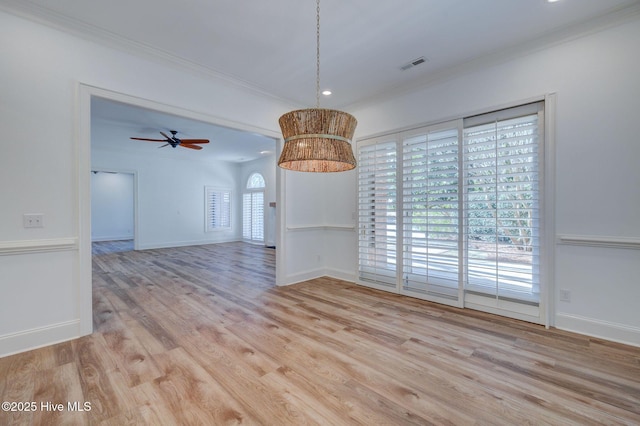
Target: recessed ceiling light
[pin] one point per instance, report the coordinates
(552, 1)
(265, 152)
(326, 92)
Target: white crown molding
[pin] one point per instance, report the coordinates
(37, 246)
(42, 15)
(612, 19)
(599, 241)
(84, 30)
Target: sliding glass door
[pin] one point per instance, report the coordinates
(451, 212)
(502, 163)
(431, 218)
(377, 218)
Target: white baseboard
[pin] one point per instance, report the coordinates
(38, 337)
(597, 328)
(303, 276)
(318, 273)
(112, 238)
(171, 244)
(340, 274)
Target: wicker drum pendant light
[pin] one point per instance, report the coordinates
(317, 139)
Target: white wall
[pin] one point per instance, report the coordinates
(44, 295)
(320, 214)
(598, 94)
(597, 174)
(112, 206)
(304, 211)
(340, 237)
(170, 196)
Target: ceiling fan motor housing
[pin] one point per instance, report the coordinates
(173, 141)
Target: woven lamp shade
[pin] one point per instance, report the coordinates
(317, 140)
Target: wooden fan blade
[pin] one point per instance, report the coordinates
(149, 140)
(192, 141)
(190, 146)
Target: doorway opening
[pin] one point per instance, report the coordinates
(103, 160)
(113, 211)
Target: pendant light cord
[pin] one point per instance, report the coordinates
(318, 54)
(317, 140)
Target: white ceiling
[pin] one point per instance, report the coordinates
(114, 123)
(270, 45)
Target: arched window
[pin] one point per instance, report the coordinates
(255, 181)
(253, 209)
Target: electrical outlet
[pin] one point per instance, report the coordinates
(565, 295)
(33, 220)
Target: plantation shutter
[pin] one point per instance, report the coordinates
(257, 216)
(211, 209)
(246, 216)
(430, 214)
(253, 216)
(377, 213)
(452, 212)
(218, 208)
(502, 156)
(224, 214)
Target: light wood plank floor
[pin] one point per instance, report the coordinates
(199, 335)
(106, 247)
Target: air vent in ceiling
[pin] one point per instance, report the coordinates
(413, 63)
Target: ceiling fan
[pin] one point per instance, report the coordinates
(174, 141)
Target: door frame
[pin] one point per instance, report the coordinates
(84, 94)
